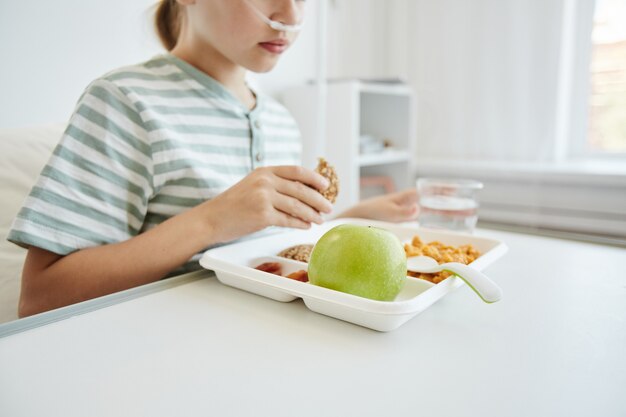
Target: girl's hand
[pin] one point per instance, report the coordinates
(396, 207)
(270, 196)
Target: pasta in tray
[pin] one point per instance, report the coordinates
(440, 252)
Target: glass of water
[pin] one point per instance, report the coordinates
(448, 203)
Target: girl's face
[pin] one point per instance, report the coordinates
(232, 28)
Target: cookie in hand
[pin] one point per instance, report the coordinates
(328, 172)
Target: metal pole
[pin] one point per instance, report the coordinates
(322, 26)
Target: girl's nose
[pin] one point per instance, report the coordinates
(288, 12)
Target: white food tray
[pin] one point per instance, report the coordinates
(234, 266)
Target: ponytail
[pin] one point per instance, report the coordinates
(167, 23)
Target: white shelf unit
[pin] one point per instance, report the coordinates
(355, 108)
(387, 156)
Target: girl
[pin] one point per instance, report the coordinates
(164, 159)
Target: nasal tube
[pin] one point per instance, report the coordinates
(279, 26)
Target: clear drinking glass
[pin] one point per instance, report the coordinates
(448, 203)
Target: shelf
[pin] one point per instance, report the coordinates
(388, 156)
(354, 108)
(385, 89)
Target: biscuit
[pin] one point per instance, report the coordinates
(328, 172)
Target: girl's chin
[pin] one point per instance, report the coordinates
(261, 66)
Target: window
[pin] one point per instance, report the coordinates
(607, 101)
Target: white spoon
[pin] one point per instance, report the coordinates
(477, 281)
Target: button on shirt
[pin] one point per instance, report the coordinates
(147, 142)
(257, 142)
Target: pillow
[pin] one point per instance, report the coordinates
(23, 154)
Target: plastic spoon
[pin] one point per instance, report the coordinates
(486, 289)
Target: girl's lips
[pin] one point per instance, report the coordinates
(275, 47)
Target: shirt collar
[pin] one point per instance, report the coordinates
(214, 86)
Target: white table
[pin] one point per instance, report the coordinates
(554, 346)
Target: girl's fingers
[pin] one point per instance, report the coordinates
(409, 212)
(303, 175)
(406, 196)
(285, 220)
(296, 208)
(305, 194)
(399, 213)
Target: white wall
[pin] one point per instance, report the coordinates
(51, 50)
(359, 39)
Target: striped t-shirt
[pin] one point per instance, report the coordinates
(145, 143)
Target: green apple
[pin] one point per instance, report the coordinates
(361, 260)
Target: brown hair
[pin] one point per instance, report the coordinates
(167, 22)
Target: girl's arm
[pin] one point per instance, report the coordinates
(50, 280)
(397, 207)
(268, 196)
